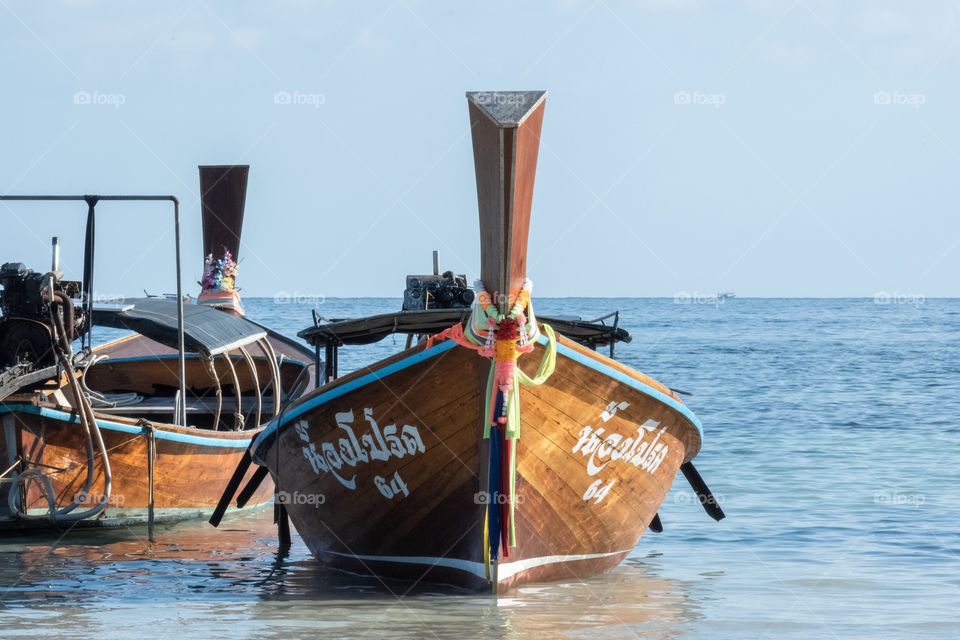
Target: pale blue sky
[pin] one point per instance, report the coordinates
(770, 148)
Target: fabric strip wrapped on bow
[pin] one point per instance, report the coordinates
(503, 339)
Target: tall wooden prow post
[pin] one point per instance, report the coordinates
(223, 193)
(506, 139)
(505, 126)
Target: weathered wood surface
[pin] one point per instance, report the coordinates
(348, 521)
(188, 477)
(344, 509)
(505, 127)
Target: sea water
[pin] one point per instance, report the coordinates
(832, 444)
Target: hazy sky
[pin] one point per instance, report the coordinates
(801, 148)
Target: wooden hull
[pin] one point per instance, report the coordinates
(192, 467)
(383, 471)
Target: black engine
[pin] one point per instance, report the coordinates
(446, 291)
(25, 325)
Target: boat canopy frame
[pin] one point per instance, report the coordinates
(88, 264)
(331, 334)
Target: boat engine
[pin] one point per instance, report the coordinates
(26, 332)
(445, 291)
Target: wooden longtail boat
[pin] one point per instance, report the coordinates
(132, 431)
(494, 453)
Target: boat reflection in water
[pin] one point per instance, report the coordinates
(229, 580)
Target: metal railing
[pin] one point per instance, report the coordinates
(88, 263)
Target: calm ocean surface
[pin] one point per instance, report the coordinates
(832, 441)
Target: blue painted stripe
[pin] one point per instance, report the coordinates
(109, 425)
(326, 396)
(630, 381)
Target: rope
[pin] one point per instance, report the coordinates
(238, 414)
(212, 372)
(256, 384)
(276, 362)
(123, 399)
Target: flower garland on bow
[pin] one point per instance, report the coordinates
(503, 338)
(219, 274)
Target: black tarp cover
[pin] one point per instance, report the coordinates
(205, 329)
(375, 328)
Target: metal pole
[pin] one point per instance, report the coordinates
(55, 262)
(275, 363)
(256, 384)
(613, 336)
(151, 461)
(328, 363)
(92, 201)
(89, 256)
(182, 418)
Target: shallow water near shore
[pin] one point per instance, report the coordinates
(832, 442)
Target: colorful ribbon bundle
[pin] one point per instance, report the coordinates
(503, 339)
